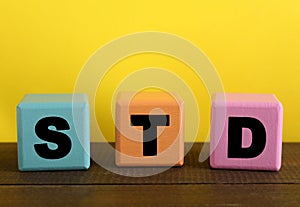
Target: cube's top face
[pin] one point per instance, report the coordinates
(52, 99)
(56, 98)
(240, 100)
(148, 98)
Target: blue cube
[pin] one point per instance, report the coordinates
(53, 132)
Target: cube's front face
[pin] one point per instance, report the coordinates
(149, 130)
(47, 139)
(259, 121)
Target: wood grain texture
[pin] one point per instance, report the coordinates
(152, 195)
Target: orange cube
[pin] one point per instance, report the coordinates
(149, 129)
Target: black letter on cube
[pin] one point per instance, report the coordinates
(62, 140)
(235, 127)
(150, 123)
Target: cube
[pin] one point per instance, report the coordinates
(246, 132)
(47, 138)
(149, 129)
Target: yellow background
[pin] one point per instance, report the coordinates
(254, 45)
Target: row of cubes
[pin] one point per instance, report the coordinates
(54, 131)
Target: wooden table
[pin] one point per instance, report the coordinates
(195, 184)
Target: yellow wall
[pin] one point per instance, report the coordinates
(253, 44)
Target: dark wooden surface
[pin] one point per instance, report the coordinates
(195, 184)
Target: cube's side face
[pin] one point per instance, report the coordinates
(269, 159)
(130, 138)
(30, 138)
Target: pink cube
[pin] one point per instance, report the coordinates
(246, 132)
